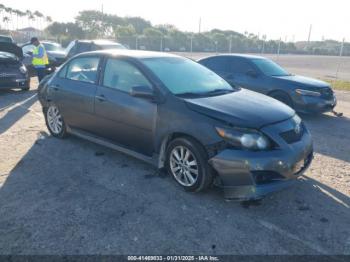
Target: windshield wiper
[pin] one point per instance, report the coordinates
(218, 91)
(208, 93)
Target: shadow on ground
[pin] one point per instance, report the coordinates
(73, 197)
(330, 134)
(15, 107)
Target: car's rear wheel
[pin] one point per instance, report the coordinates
(54, 121)
(187, 162)
(283, 97)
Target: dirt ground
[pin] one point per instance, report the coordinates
(74, 197)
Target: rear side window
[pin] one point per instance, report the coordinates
(122, 76)
(239, 65)
(218, 64)
(83, 69)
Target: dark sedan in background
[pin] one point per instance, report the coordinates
(13, 73)
(80, 46)
(175, 113)
(306, 95)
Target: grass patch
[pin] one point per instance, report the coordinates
(339, 84)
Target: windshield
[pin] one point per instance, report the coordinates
(53, 47)
(183, 76)
(270, 68)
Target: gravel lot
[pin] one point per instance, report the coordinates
(74, 197)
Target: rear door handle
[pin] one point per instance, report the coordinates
(101, 98)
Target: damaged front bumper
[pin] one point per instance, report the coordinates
(248, 175)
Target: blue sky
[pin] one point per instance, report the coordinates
(285, 19)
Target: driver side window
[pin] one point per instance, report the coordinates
(123, 76)
(83, 69)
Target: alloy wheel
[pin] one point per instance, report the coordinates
(183, 165)
(54, 120)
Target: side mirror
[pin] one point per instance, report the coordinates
(142, 91)
(252, 73)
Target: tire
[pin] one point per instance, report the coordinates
(55, 122)
(26, 87)
(283, 97)
(190, 170)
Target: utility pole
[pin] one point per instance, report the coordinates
(199, 25)
(263, 47)
(136, 43)
(102, 8)
(279, 47)
(340, 55)
(191, 43)
(309, 37)
(230, 47)
(161, 43)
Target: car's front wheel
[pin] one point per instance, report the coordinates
(187, 162)
(54, 121)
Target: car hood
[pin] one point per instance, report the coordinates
(242, 108)
(303, 81)
(11, 48)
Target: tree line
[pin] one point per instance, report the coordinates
(13, 19)
(138, 33)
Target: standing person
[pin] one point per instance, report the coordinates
(40, 58)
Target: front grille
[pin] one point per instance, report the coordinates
(266, 177)
(294, 135)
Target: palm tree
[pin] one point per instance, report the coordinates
(29, 15)
(17, 13)
(48, 20)
(2, 10)
(9, 11)
(39, 16)
(21, 15)
(31, 18)
(6, 21)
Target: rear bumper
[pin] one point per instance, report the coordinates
(246, 175)
(19, 82)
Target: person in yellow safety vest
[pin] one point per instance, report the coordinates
(39, 58)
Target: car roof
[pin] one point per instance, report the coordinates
(236, 55)
(137, 54)
(99, 41)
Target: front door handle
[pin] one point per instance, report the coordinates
(101, 98)
(56, 87)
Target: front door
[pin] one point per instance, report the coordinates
(245, 75)
(127, 120)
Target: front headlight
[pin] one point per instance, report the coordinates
(23, 69)
(304, 92)
(244, 138)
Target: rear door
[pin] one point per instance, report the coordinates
(75, 89)
(127, 120)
